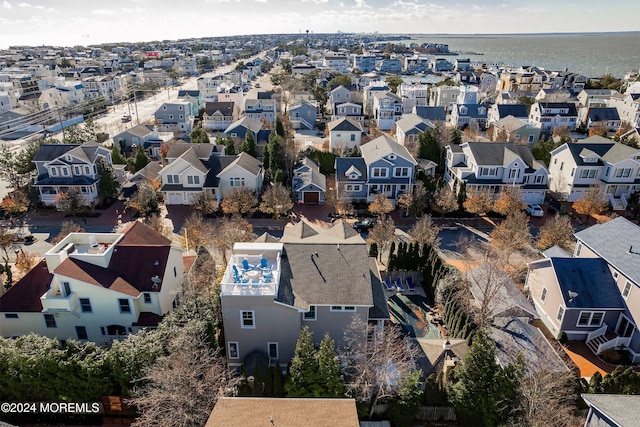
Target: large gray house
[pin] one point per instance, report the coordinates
(316, 277)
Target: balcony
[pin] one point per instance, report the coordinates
(54, 300)
(253, 270)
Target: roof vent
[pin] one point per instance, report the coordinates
(572, 295)
(156, 281)
(156, 262)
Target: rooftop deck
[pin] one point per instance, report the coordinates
(253, 269)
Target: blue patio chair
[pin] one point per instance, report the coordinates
(267, 277)
(410, 284)
(245, 265)
(263, 263)
(235, 270)
(399, 285)
(388, 284)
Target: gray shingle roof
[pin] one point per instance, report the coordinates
(622, 409)
(590, 279)
(140, 131)
(410, 121)
(345, 124)
(312, 176)
(48, 152)
(383, 146)
(202, 151)
(226, 108)
(430, 113)
(344, 163)
(248, 163)
(501, 153)
(603, 114)
(513, 336)
(515, 110)
(612, 241)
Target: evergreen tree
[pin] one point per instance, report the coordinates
(279, 176)
(142, 159)
(303, 378)
(116, 157)
(428, 146)
(403, 408)
(258, 382)
(280, 128)
(199, 136)
(268, 382)
(392, 257)
(230, 149)
(108, 185)
(249, 144)
(373, 250)
(278, 381)
(329, 369)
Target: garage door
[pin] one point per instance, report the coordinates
(311, 198)
(533, 197)
(175, 199)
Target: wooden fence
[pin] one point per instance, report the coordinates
(425, 413)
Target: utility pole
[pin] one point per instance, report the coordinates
(61, 125)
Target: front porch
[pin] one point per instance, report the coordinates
(605, 338)
(618, 194)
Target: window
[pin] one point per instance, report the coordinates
(273, 350)
(311, 314)
(50, 321)
(65, 172)
(578, 249)
(543, 297)
(76, 170)
(514, 173)
(379, 172)
(85, 305)
(401, 172)
(66, 289)
(81, 331)
(588, 173)
(147, 297)
(11, 315)
(87, 171)
(54, 171)
(590, 318)
(561, 165)
(173, 179)
(124, 305)
(560, 314)
(232, 350)
(627, 290)
(352, 187)
(539, 179)
(573, 170)
(353, 137)
(489, 171)
(623, 173)
(247, 319)
(615, 275)
(237, 182)
(343, 308)
(193, 180)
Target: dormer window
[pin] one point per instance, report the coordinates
(392, 156)
(353, 176)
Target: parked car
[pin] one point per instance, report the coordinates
(257, 85)
(364, 225)
(535, 210)
(126, 118)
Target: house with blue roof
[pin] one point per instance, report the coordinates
(500, 111)
(434, 114)
(302, 115)
(593, 295)
(385, 167)
(309, 184)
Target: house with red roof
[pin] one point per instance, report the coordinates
(96, 287)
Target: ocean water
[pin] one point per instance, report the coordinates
(591, 54)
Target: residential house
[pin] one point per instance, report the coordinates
(300, 70)
(336, 62)
(364, 63)
(409, 128)
(253, 411)
(515, 130)
(595, 97)
(595, 162)
(445, 97)
(548, 115)
(606, 117)
(150, 174)
(339, 95)
(238, 130)
(433, 114)
(385, 167)
(65, 167)
(5, 101)
(554, 95)
(146, 137)
(349, 110)
(96, 287)
(628, 106)
(593, 296)
(302, 115)
(500, 111)
(492, 166)
(196, 169)
(309, 184)
(521, 81)
(98, 87)
(173, 116)
(369, 91)
(344, 134)
(219, 115)
(261, 110)
(315, 276)
(193, 98)
(413, 95)
(467, 111)
(387, 109)
(62, 96)
(611, 410)
(439, 65)
(389, 65)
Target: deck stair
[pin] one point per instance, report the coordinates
(594, 343)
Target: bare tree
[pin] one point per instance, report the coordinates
(25, 261)
(425, 231)
(345, 206)
(276, 200)
(229, 231)
(375, 361)
(182, 388)
(478, 202)
(66, 228)
(197, 232)
(69, 201)
(239, 201)
(591, 203)
(509, 200)
(511, 235)
(206, 204)
(548, 399)
(382, 234)
(158, 224)
(556, 231)
(380, 206)
(445, 201)
(405, 202)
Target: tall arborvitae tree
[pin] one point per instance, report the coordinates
(329, 369)
(229, 147)
(249, 144)
(303, 379)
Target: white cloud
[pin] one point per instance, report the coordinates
(6, 5)
(103, 12)
(315, 1)
(361, 3)
(261, 1)
(133, 10)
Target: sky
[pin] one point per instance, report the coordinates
(74, 22)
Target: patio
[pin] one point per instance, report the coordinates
(415, 315)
